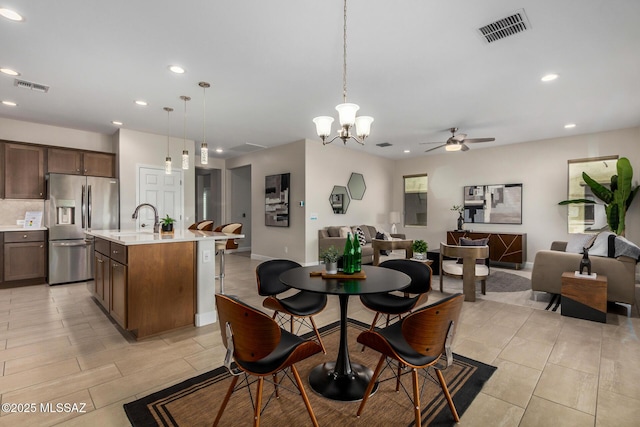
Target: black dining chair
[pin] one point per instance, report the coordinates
(392, 305)
(260, 348)
(300, 306)
(418, 341)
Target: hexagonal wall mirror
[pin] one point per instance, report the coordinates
(339, 199)
(356, 186)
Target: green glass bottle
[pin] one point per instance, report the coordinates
(357, 255)
(347, 257)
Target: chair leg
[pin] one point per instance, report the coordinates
(234, 381)
(371, 384)
(483, 287)
(373, 324)
(398, 377)
(441, 274)
(445, 390)
(305, 398)
(275, 385)
(222, 271)
(258, 408)
(416, 397)
(315, 329)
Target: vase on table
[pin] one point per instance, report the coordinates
(460, 221)
(331, 267)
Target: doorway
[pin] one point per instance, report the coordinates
(209, 195)
(162, 191)
(239, 199)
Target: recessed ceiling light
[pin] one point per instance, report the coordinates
(10, 14)
(218, 150)
(117, 123)
(10, 103)
(176, 69)
(9, 72)
(141, 102)
(406, 151)
(549, 77)
(569, 125)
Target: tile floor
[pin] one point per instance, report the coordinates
(57, 346)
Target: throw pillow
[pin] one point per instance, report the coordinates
(344, 231)
(600, 246)
(579, 241)
(381, 236)
(360, 235)
(465, 241)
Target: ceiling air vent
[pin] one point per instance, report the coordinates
(30, 85)
(505, 27)
(384, 144)
(247, 147)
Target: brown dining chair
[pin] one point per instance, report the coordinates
(300, 306)
(260, 348)
(204, 225)
(418, 341)
(471, 266)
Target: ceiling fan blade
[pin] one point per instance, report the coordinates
(439, 142)
(464, 147)
(435, 148)
(479, 140)
(459, 137)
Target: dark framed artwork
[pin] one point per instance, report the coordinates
(493, 204)
(276, 200)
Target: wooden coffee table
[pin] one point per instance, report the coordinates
(584, 297)
(390, 245)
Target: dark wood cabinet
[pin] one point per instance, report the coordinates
(23, 171)
(25, 255)
(101, 279)
(118, 309)
(110, 279)
(77, 162)
(504, 248)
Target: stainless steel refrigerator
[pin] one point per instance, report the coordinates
(75, 204)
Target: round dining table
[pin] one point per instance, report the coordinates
(343, 380)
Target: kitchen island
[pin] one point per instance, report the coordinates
(152, 283)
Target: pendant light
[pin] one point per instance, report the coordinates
(185, 152)
(346, 111)
(204, 149)
(167, 160)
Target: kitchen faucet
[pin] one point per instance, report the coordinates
(156, 220)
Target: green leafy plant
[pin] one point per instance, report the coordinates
(420, 246)
(167, 220)
(330, 254)
(617, 199)
(457, 208)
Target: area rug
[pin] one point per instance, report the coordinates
(501, 281)
(195, 402)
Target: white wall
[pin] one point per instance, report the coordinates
(34, 133)
(146, 149)
(541, 166)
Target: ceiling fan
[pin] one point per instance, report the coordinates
(457, 142)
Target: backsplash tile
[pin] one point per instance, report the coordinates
(13, 210)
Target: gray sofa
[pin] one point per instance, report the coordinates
(329, 236)
(548, 267)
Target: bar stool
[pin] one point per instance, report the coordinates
(222, 245)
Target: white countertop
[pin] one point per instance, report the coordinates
(4, 228)
(133, 237)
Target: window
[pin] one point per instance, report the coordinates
(415, 200)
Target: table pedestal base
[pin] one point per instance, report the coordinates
(347, 388)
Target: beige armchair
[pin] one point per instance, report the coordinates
(469, 271)
(548, 267)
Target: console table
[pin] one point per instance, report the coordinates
(508, 248)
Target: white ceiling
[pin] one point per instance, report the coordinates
(417, 66)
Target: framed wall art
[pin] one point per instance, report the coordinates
(276, 200)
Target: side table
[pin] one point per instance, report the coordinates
(379, 244)
(584, 297)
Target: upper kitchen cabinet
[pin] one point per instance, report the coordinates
(78, 162)
(23, 171)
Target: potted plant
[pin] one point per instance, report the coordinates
(167, 224)
(330, 257)
(420, 248)
(460, 210)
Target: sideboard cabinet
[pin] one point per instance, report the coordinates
(504, 248)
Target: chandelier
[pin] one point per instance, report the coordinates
(346, 111)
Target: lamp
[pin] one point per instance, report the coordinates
(185, 152)
(204, 149)
(167, 160)
(453, 146)
(346, 111)
(394, 217)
